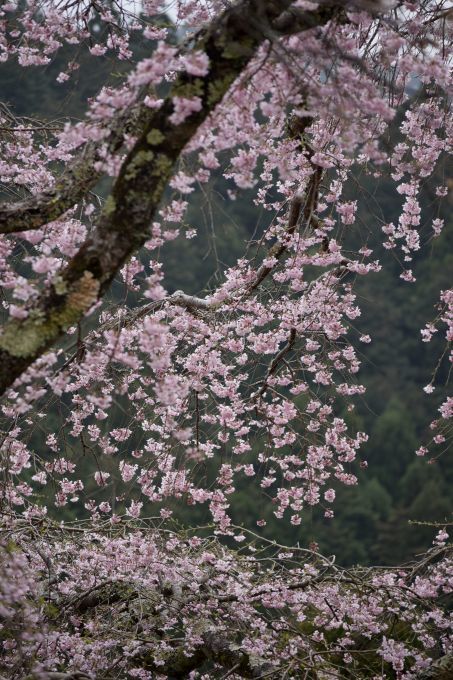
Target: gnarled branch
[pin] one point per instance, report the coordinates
(137, 192)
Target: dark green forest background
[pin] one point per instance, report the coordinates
(376, 521)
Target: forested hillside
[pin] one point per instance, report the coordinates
(397, 487)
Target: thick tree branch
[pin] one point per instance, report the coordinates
(213, 648)
(75, 182)
(123, 225)
(80, 177)
(294, 20)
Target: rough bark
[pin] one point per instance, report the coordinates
(76, 181)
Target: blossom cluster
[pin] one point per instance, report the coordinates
(153, 604)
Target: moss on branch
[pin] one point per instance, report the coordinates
(229, 42)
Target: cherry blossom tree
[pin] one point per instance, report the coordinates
(289, 101)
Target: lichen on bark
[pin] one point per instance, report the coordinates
(23, 338)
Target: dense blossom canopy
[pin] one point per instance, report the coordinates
(293, 102)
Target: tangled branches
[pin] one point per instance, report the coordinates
(144, 602)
